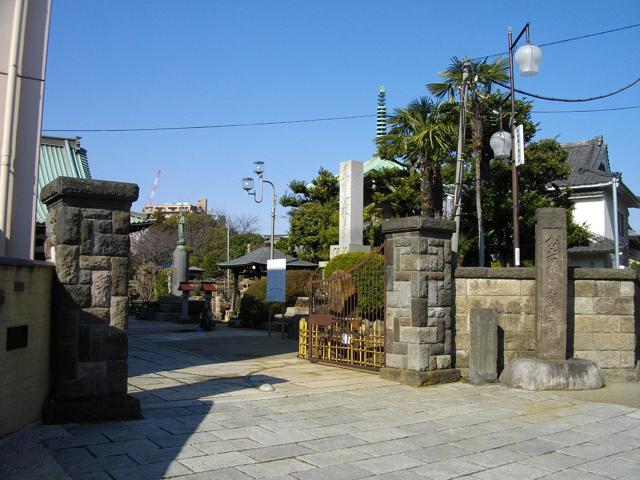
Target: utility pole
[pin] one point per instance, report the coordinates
(457, 195)
(616, 228)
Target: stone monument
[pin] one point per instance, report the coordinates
(483, 367)
(180, 269)
(351, 208)
(551, 370)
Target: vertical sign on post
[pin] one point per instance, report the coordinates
(519, 138)
(276, 284)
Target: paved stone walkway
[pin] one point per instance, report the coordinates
(205, 419)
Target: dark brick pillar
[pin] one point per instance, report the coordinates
(418, 337)
(88, 239)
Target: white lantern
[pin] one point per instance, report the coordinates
(258, 167)
(528, 58)
(501, 144)
(247, 184)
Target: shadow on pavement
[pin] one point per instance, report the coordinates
(187, 394)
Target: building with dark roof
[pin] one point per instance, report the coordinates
(591, 186)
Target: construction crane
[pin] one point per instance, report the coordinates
(156, 178)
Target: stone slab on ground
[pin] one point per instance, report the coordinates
(552, 374)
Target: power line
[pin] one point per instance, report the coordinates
(351, 117)
(588, 110)
(587, 99)
(566, 40)
(195, 127)
(287, 122)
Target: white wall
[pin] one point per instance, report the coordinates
(23, 175)
(592, 212)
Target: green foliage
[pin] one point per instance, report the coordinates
(161, 283)
(239, 242)
(368, 279)
(253, 305)
(419, 140)
(396, 192)
(545, 163)
(635, 265)
(206, 238)
(313, 217)
(282, 244)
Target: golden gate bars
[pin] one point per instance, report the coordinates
(346, 316)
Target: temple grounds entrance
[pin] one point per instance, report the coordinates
(205, 416)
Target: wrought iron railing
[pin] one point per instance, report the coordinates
(346, 317)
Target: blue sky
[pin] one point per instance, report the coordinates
(154, 63)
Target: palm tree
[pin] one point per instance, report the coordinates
(481, 74)
(417, 139)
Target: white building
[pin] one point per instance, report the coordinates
(591, 185)
(24, 32)
(170, 209)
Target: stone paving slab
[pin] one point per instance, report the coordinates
(205, 419)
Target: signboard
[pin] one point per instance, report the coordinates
(276, 280)
(519, 139)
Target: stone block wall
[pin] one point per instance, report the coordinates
(511, 292)
(603, 315)
(603, 311)
(25, 301)
(87, 239)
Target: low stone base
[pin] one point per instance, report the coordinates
(538, 374)
(626, 375)
(415, 378)
(335, 250)
(109, 408)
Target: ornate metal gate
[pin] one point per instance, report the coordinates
(346, 317)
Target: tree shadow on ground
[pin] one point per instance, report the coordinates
(182, 409)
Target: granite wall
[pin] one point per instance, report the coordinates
(603, 316)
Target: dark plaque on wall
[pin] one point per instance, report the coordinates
(17, 337)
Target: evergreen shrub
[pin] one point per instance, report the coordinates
(254, 307)
(368, 280)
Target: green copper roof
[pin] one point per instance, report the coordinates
(59, 157)
(377, 164)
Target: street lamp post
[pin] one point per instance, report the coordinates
(247, 185)
(528, 58)
(228, 225)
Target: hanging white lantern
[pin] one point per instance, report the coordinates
(500, 143)
(528, 58)
(247, 184)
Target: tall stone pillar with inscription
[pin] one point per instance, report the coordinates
(351, 208)
(551, 283)
(551, 370)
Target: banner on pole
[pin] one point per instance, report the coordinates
(519, 138)
(276, 280)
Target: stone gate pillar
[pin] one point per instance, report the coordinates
(418, 337)
(88, 239)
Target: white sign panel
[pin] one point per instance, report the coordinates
(276, 280)
(519, 145)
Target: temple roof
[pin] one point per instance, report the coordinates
(259, 258)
